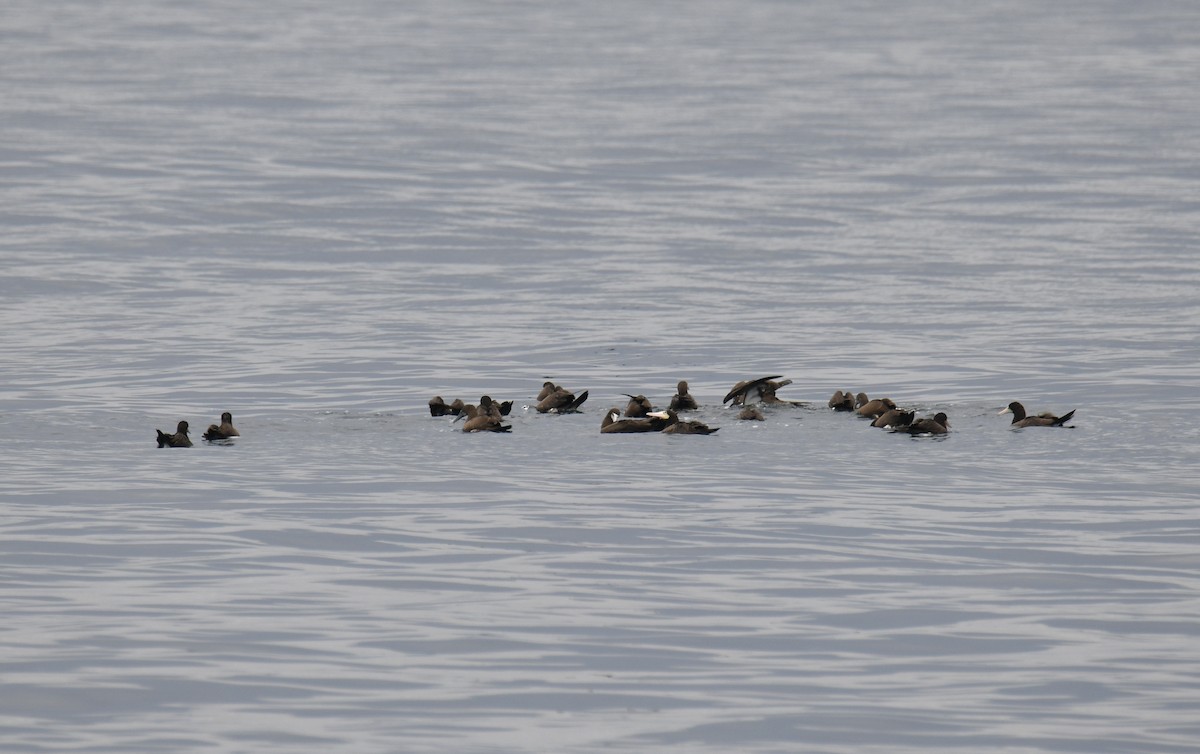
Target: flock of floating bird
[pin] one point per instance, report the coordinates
(641, 416)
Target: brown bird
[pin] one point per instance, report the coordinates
(875, 408)
(438, 407)
(178, 440)
(481, 419)
(1044, 419)
(548, 387)
(751, 413)
(683, 400)
(611, 425)
(938, 425)
(638, 406)
(559, 400)
(225, 431)
(895, 418)
(761, 390)
(677, 426)
(842, 401)
(489, 407)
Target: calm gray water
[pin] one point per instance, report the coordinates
(319, 215)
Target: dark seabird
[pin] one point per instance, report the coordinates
(177, 440)
(225, 431)
(842, 401)
(560, 401)
(761, 390)
(1044, 419)
(895, 418)
(676, 426)
(489, 407)
(751, 413)
(438, 407)
(683, 400)
(638, 406)
(748, 391)
(611, 425)
(479, 419)
(938, 425)
(876, 408)
(548, 387)
(861, 400)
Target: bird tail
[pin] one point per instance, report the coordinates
(1062, 420)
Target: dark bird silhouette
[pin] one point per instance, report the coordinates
(483, 418)
(1044, 419)
(610, 424)
(224, 431)
(938, 425)
(438, 407)
(683, 400)
(895, 418)
(490, 407)
(842, 401)
(548, 387)
(761, 390)
(638, 406)
(876, 408)
(559, 400)
(178, 440)
(677, 426)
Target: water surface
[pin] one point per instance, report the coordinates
(319, 216)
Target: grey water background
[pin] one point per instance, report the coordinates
(319, 215)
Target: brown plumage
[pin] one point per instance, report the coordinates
(683, 400)
(761, 390)
(1044, 419)
(178, 440)
(610, 425)
(751, 414)
(638, 406)
(489, 407)
(895, 418)
(224, 431)
(677, 426)
(559, 400)
(938, 425)
(483, 419)
(876, 407)
(842, 401)
(438, 407)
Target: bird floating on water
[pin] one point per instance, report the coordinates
(611, 424)
(677, 426)
(1044, 419)
(761, 390)
(683, 400)
(223, 431)
(554, 399)
(178, 440)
